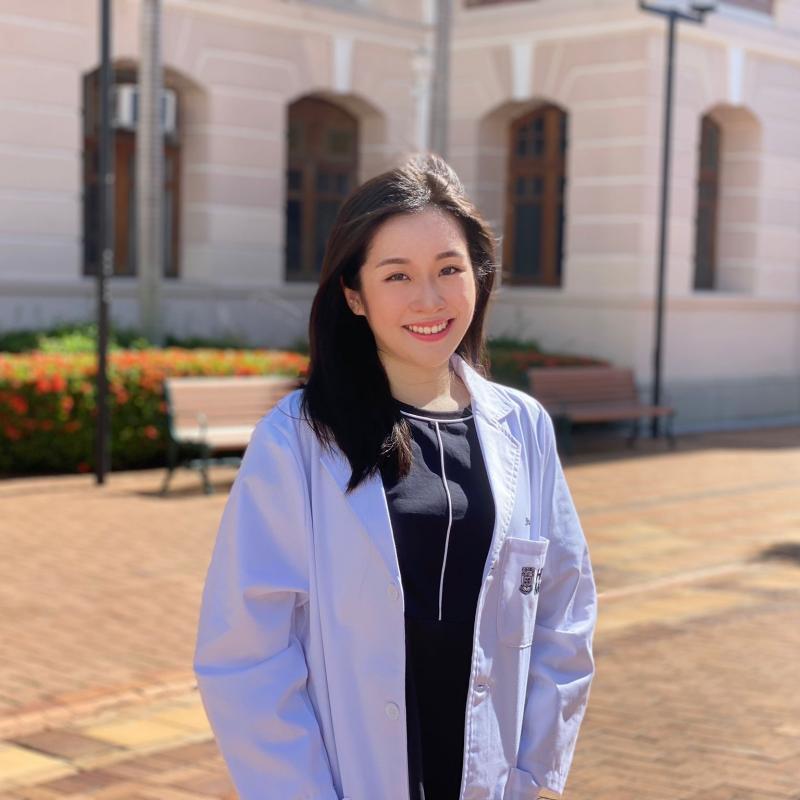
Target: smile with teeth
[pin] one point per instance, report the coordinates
(428, 329)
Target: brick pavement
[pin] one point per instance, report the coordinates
(697, 645)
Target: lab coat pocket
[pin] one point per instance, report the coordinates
(520, 573)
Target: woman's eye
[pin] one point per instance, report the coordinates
(456, 270)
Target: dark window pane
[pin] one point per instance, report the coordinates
(520, 187)
(129, 259)
(294, 210)
(343, 184)
(295, 135)
(326, 215)
(537, 187)
(323, 182)
(560, 241)
(527, 230)
(704, 268)
(295, 180)
(340, 142)
(91, 222)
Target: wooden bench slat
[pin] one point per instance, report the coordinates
(219, 413)
(592, 394)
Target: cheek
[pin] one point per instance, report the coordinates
(385, 305)
(466, 292)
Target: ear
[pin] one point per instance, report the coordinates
(352, 298)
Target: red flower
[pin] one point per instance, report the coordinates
(151, 432)
(19, 405)
(84, 467)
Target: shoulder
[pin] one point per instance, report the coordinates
(530, 415)
(280, 425)
(526, 405)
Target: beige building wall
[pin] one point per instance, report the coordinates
(237, 64)
(730, 354)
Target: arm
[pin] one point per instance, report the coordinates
(562, 664)
(249, 663)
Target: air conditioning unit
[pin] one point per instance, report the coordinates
(125, 108)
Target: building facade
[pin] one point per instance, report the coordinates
(275, 109)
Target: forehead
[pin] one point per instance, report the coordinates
(417, 235)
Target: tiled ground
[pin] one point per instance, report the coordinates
(698, 643)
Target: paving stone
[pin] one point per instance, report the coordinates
(63, 743)
(696, 649)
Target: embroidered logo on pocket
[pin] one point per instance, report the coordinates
(531, 580)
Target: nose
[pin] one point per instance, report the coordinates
(428, 297)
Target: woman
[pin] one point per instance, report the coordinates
(400, 603)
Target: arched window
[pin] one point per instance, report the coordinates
(123, 113)
(534, 218)
(705, 249)
(322, 170)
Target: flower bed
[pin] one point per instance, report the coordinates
(47, 400)
(47, 403)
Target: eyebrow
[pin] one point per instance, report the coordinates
(398, 260)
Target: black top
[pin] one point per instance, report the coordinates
(442, 531)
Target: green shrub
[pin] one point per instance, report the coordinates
(510, 359)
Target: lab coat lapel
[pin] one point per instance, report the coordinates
(500, 447)
(368, 503)
(501, 452)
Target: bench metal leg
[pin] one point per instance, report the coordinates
(673, 442)
(207, 487)
(634, 434)
(172, 457)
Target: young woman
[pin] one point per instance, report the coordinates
(400, 603)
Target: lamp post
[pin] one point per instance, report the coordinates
(697, 11)
(440, 90)
(105, 226)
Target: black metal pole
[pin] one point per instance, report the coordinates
(698, 12)
(105, 229)
(662, 244)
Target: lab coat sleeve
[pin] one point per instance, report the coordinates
(562, 664)
(249, 663)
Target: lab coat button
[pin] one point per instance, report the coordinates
(392, 710)
(393, 591)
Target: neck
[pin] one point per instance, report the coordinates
(434, 389)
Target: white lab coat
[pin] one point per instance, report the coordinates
(300, 652)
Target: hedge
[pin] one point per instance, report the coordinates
(47, 403)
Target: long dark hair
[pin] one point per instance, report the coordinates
(347, 398)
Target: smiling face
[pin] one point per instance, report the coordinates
(417, 290)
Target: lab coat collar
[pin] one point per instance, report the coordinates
(501, 452)
(486, 399)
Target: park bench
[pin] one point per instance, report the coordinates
(212, 415)
(593, 394)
